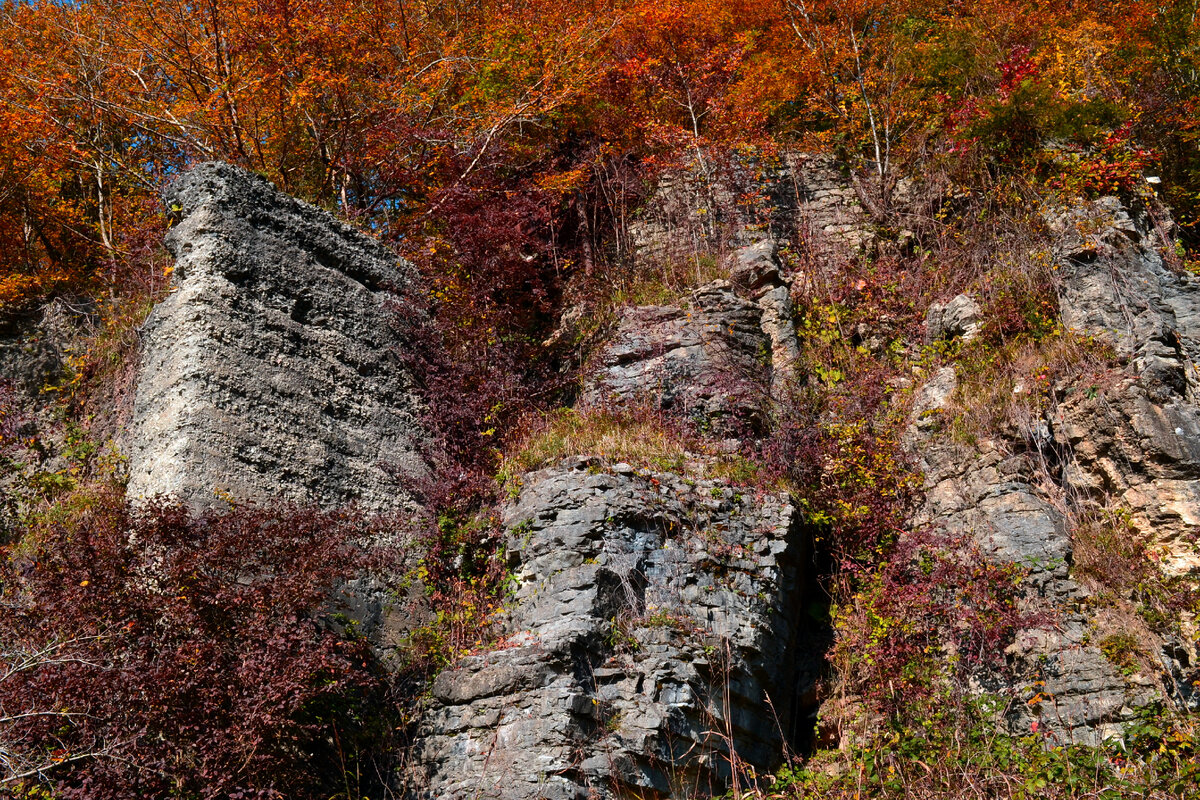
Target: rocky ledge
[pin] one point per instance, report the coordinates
(651, 648)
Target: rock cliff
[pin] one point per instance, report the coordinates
(656, 641)
(651, 649)
(1126, 447)
(270, 371)
(655, 644)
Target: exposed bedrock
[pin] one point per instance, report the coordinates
(1132, 445)
(656, 645)
(715, 356)
(1138, 441)
(705, 358)
(654, 632)
(803, 196)
(270, 371)
(1060, 676)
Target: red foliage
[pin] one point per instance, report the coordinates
(184, 656)
(934, 594)
(1015, 69)
(490, 260)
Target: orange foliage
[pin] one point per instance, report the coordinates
(377, 107)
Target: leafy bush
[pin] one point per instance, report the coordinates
(155, 654)
(465, 578)
(955, 749)
(934, 609)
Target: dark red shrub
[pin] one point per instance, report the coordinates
(839, 449)
(935, 595)
(154, 654)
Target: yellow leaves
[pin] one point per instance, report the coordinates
(563, 182)
(1074, 59)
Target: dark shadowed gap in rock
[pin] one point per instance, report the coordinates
(814, 638)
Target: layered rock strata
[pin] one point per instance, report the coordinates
(656, 645)
(798, 197)
(1138, 441)
(705, 358)
(651, 647)
(1132, 445)
(270, 371)
(1059, 677)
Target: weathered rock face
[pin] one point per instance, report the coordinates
(706, 358)
(32, 350)
(1061, 677)
(757, 275)
(958, 318)
(715, 357)
(801, 195)
(1138, 441)
(656, 645)
(1134, 444)
(654, 630)
(270, 370)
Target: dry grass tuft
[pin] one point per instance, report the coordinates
(642, 439)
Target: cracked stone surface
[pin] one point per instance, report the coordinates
(1135, 444)
(270, 371)
(653, 619)
(1139, 440)
(805, 196)
(705, 358)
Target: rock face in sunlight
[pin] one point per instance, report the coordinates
(270, 370)
(654, 632)
(705, 358)
(1140, 443)
(800, 194)
(1133, 445)
(657, 643)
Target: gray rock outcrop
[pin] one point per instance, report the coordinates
(1060, 677)
(802, 196)
(958, 319)
(656, 645)
(270, 371)
(705, 359)
(1139, 439)
(653, 634)
(33, 350)
(716, 356)
(756, 273)
(1131, 444)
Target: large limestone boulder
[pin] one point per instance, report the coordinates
(270, 371)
